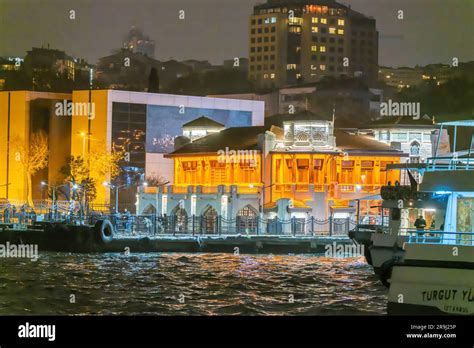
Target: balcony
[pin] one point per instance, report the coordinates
(202, 189)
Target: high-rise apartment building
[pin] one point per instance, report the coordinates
(301, 41)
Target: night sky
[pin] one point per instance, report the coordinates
(433, 31)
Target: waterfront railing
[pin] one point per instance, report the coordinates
(153, 225)
(218, 225)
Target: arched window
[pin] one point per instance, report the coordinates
(209, 217)
(179, 219)
(415, 149)
(247, 219)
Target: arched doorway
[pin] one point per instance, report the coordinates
(209, 220)
(149, 210)
(179, 218)
(247, 220)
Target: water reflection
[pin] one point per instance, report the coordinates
(211, 284)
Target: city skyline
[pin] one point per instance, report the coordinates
(80, 37)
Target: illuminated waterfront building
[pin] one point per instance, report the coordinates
(294, 166)
(294, 41)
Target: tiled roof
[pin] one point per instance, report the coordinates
(237, 138)
(361, 143)
(400, 121)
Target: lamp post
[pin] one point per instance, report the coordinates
(6, 185)
(262, 196)
(144, 185)
(84, 137)
(54, 188)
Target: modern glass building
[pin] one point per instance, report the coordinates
(144, 126)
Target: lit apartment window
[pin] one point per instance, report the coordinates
(267, 20)
(314, 48)
(314, 20)
(322, 49)
(314, 29)
(340, 22)
(298, 76)
(295, 30)
(291, 67)
(324, 21)
(295, 20)
(340, 31)
(322, 67)
(313, 67)
(274, 20)
(272, 76)
(332, 30)
(265, 76)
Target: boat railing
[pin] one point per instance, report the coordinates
(452, 162)
(438, 237)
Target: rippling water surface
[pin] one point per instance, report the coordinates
(211, 284)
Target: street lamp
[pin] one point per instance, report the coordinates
(6, 185)
(54, 188)
(116, 188)
(262, 195)
(84, 137)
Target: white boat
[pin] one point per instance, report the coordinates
(404, 204)
(435, 275)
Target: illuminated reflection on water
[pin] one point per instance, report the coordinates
(211, 284)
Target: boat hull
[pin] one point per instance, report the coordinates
(431, 280)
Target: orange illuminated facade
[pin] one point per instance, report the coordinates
(209, 172)
(307, 166)
(318, 172)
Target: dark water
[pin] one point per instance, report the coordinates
(212, 284)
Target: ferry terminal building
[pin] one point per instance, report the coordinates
(303, 168)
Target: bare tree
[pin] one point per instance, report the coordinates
(33, 157)
(155, 180)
